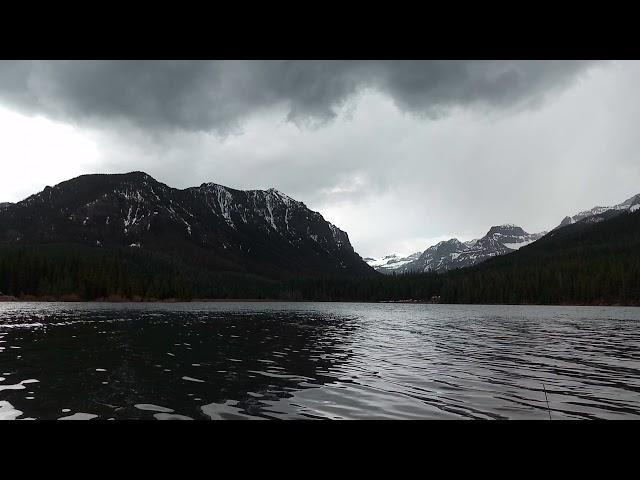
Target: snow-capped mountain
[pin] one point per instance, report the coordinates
(598, 214)
(499, 240)
(437, 257)
(451, 254)
(391, 263)
(231, 229)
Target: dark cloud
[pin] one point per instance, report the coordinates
(514, 142)
(218, 95)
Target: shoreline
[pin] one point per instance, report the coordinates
(73, 299)
(30, 299)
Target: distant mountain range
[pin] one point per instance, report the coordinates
(260, 231)
(594, 261)
(452, 254)
(499, 240)
(392, 262)
(598, 214)
(130, 237)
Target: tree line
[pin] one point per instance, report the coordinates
(594, 264)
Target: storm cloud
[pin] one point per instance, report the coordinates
(400, 154)
(218, 96)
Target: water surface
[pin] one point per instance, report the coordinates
(317, 360)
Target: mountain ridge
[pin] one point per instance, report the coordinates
(631, 204)
(453, 254)
(499, 240)
(237, 228)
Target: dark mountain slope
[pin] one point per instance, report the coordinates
(587, 262)
(212, 226)
(453, 254)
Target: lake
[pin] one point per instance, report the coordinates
(317, 361)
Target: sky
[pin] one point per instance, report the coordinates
(399, 154)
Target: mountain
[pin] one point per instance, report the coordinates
(437, 258)
(586, 262)
(500, 240)
(218, 228)
(452, 254)
(392, 262)
(598, 214)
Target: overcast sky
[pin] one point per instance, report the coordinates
(398, 154)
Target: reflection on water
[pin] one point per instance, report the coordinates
(323, 360)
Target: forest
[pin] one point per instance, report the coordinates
(580, 264)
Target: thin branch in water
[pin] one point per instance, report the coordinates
(547, 400)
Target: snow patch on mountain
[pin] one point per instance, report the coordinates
(133, 208)
(392, 262)
(450, 254)
(518, 245)
(629, 205)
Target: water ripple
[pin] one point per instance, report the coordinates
(317, 360)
